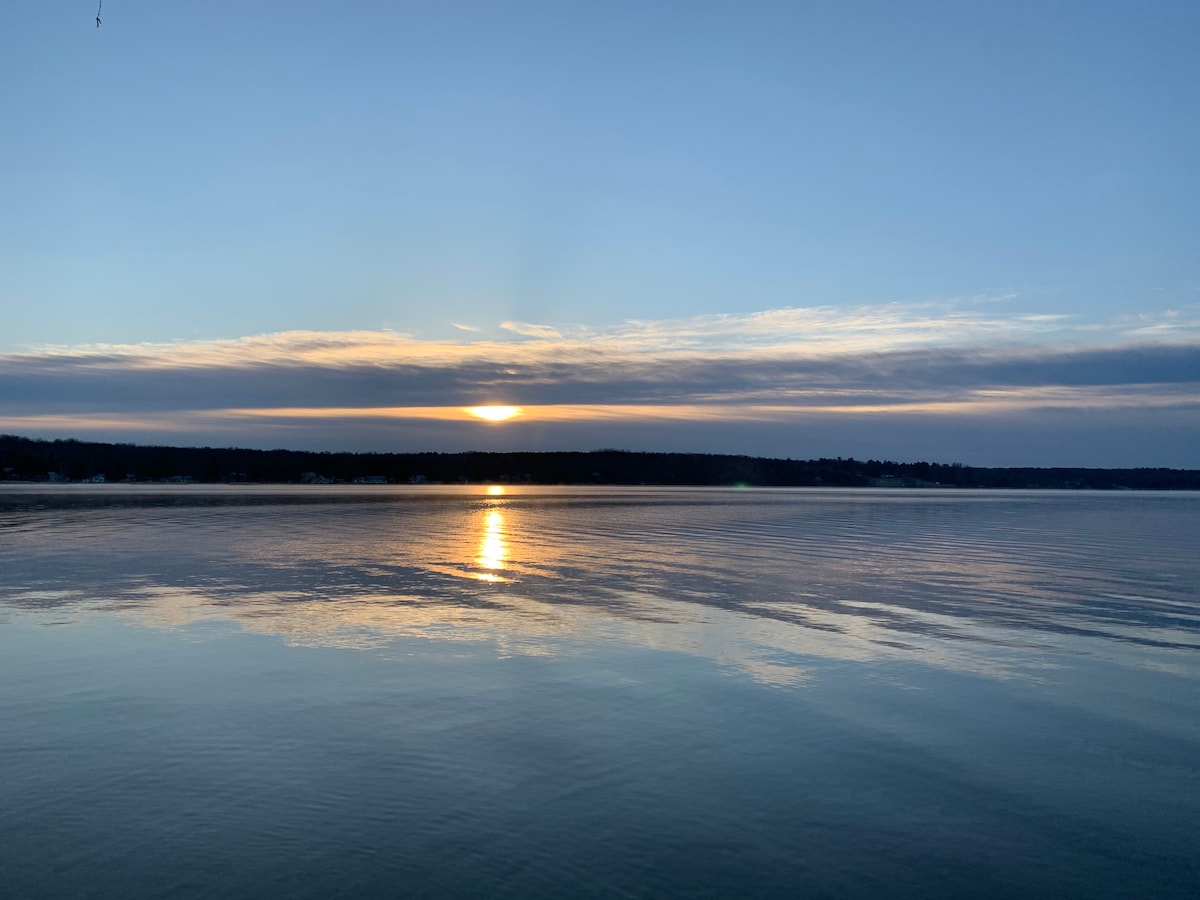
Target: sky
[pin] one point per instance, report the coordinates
(944, 231)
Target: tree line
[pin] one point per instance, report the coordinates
(28, 459)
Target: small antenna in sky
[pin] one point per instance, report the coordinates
(98, 8)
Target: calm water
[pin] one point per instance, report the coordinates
(643, 693)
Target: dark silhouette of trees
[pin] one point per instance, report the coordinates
(34, 460)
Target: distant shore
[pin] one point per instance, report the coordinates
(71, 461)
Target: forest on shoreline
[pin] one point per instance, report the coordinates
(69, 460)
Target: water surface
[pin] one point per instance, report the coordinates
(622, 692)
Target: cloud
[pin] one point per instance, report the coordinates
(1168, 323)
(775, 368)
(299, 371)
(809, 331)
(526, 329)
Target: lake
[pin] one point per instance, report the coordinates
(542, 692)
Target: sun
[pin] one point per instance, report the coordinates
(494, 413)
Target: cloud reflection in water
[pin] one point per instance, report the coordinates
(769, 584)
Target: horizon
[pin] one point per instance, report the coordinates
(588, 451)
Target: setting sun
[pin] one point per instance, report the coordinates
(494, 413)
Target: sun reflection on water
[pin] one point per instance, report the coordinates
(493, 549)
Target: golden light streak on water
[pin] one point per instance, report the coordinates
(493, 549)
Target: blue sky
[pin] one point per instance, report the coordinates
(951, 231)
